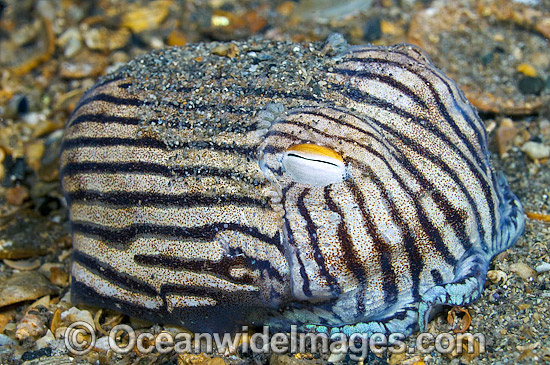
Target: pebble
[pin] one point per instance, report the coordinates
(53, 360)
(47, 166)
(219, 21)
(17, 195)
(26, 33)
(541, 59)
(225, 50)
(156, 43)
(112, 68)
(337, 357)
(33, 355)
(487, 58)
(6, 340)
(176, 38)
(391, 28)
(70, 41)
(146, 17)
(494, 297)
(544, 267)
(536, 150)
(33, 118)
(15, 169)
(45, 301)
(18, 105)
(527, 70)
(505, 135)
(45, 269)
(523, 270)
(322, 11)
(102, 39)
(236, 24)
(46, 9)
(23, 286)
(372, 29)
(529, 85)
(84, 64)
(72, 47)
(190, 359)
(2, 168)
(33, 153)
(26, 40)
(9, 329)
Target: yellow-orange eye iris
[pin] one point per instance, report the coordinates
(314, 165)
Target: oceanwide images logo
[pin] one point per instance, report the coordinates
(80, 338)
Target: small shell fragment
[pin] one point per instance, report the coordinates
(59, 277)
(45, 340)
(27, 285)
(460, 324)
(535, 150)
(76, 315)
(497, 276)
(23, 265)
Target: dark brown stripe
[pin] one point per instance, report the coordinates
(289, 242)
(122, 199)
(94, 89)
(314, 244)
(132, 284)
(140, 167)
(388, 80)
(120, 238)
(221, 269)
(81, 142)
(383, 250)
(103, 118)
(74, 143)
(351, 260)
(415, 259)
(112, 275)
(75, 168)
(106, 98)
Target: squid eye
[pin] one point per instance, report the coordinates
(314, 165)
